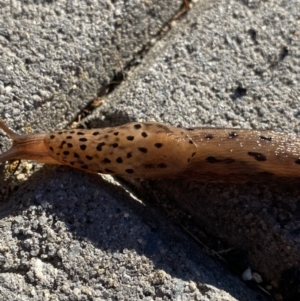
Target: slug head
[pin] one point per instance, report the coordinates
(30, 147)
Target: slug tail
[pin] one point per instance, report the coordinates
(29, 147)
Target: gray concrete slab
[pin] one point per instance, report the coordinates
(67, 235)
(228, 65)
(56, 56)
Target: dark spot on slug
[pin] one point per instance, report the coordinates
(149, 165)
(100, 171)
(258, 156)
(162, 165)
(142, 149)
(114, 145)
(80, 162)
(232, 135)
(59, 133)
(95, 133)
(265, 138)
(52, 136)
(84, 166)
(69, 137)
(62, 144)
(137, 126)
(188, 160)
(80, 133)
(106, 161)
(108, 170)
(100, 145)
(190, 129)
(66, 153)
(144, 134)
(119, 160)
(82, 147)
(116, 133)
(72, 132)
(297, 161)
(76, 155)
(158, 145)
(72, 163)
(106, 136)
(193, 154)
(209, 136)
(129, 155)
(129, 170)
(83, 139)
(212, 160)
(130, 138)
(51, 148)
(191, 141)
(89, 157)
(69, 145)
(57, 154)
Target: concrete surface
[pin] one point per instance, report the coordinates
(57, 55)
(66, 235)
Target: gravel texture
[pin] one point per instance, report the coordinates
(57, 55)
(67, 235)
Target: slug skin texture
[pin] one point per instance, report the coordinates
(155, 150)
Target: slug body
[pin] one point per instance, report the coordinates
(154, 150)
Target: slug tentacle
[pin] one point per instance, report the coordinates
(155, 150)
(29, 147)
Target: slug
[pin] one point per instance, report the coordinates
(155, 150)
